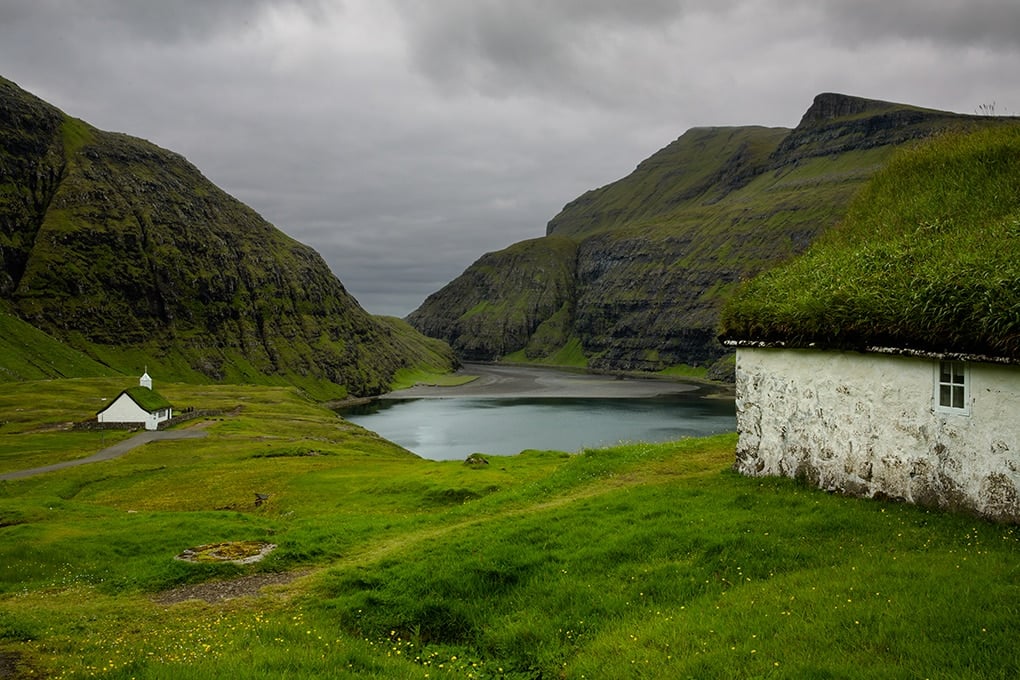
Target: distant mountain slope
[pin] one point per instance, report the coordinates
(520, 296)
(127, 253)
(648, 260)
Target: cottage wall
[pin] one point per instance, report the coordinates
(865, 424)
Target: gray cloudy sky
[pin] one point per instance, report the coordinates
(402, 139)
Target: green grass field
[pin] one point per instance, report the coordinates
(640, 561)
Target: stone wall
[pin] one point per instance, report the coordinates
(866, 424)
(95, 426)
(189, 413)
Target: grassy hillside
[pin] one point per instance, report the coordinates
(702, 166)
(125, 252)
(637, 561)
(927, 259)
(26, 353)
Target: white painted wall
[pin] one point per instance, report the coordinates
(866, 424)
(124, 409)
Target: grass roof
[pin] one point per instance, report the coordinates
(150, 400)
(928, 258)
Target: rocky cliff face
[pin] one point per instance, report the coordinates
(519, 298)
(658, 252)
(109, 241)
(31, 164)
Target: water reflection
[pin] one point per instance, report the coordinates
(453, 428)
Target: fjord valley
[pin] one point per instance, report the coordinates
(633, 275)
(637, 560)
(115, 253)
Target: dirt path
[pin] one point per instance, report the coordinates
(250, 586)
(218, 591)
(110, 452)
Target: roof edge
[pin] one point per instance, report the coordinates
(165, 403)
(874, 349)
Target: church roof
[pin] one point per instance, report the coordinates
(150, 400)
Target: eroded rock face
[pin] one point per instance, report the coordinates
(637, 311)
(866, 425)
(31, 164)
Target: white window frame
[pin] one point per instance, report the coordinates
(953, 390)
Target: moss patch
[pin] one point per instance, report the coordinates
(238, 552)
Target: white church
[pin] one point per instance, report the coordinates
(138, 405)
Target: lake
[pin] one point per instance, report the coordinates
(512, 408)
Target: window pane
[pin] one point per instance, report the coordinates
(945, 398)
(958, 397)
(952, 386)
(944, 372)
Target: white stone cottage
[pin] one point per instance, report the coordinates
(140, 404)
(885, 360)
(934, 429)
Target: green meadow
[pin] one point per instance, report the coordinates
(638, 561)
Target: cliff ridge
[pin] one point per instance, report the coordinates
(656, 253)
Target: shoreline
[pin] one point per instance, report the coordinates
(520, 380)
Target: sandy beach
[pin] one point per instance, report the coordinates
(501, 380)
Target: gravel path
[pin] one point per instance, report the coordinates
(115, 451)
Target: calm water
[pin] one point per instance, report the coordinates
(455, 427)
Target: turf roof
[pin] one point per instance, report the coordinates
(927, 259)
(150, 400)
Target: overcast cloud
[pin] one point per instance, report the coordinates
(402, 139)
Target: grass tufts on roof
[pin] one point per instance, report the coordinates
(150, 400)
(928, 258)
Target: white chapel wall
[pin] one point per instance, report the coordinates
(865, 424)
(124, 410)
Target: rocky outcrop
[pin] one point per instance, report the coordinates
(836, 124)
(109, 241)
(658, 252)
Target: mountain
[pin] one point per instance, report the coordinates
(632, 276)
(124, 252)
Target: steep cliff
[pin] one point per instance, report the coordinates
(521, 297)
(658, 252)
(124, 250)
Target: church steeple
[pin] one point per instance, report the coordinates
(145, 380)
